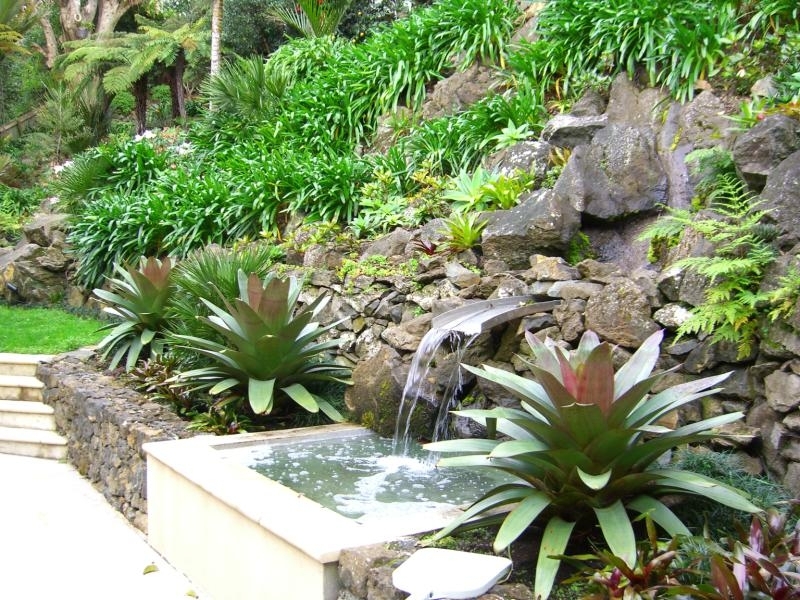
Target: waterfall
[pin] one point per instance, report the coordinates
(419, 385)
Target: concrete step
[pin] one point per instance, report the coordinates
(26, 415)
(32, 442)
(20, 387)
(21, 364)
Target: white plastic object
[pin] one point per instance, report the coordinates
(437, 573)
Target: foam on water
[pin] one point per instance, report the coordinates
(360, 478)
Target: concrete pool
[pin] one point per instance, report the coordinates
(242, 536)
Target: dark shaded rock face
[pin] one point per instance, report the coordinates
(760, 149)
(780, 196)
(618, 174)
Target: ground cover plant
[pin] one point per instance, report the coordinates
(300, 157)
(303, 151)
(32, 330)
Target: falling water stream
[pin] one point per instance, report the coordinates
(420, 384)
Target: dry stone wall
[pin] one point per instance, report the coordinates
(106, 424)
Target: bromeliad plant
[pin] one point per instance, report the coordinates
(139, 298)
(585, 447)
(272, 349)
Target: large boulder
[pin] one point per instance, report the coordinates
(618, 174)
(568, 131)
(459, 91)
(635, 107)
(703, 122)
(780, 196)
(528, 157)
(32, 273)
(542, 223)
(374, 398)
(763, 147)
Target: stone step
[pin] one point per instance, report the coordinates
(21, 364)
(32, 442)
(26, 415)
(20, 387)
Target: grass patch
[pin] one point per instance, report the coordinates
(45, 330)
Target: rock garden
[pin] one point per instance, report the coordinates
(278, 265)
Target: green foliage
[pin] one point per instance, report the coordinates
(462, 231)
(211, 268)
(787, 79)
(783, 299)
(701, 514)
(742, 253)
(29, 330)
(484, 190)
(15, 205)
(249, 29)
(248, 88)
(376, 265)
(673, 43)
(584, 449)
(272, 349)
(303, 57)
(580, 248)
(458, 142)
(312, 18)
(512, 134)
(122, 167)
(466, 192)
(139, 299)
(243, 174)
(59, 121)
(504, 192)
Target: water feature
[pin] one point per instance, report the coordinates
(358, 477)
(456, 329)
(280, 535)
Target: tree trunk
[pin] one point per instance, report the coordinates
(216, 36)
(176, 86)
(50, 50)
(103, 15)
(140, 111)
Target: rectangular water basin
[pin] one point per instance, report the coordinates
(242, 536)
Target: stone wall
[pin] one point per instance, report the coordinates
(105, 425)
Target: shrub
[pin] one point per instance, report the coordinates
(585, 447)
(139, 299)
(208, 271)
(271, 349)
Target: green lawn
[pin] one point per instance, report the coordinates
(45, 330)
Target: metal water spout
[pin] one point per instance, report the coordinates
(478, 317)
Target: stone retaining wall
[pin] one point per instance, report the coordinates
(105, 425)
